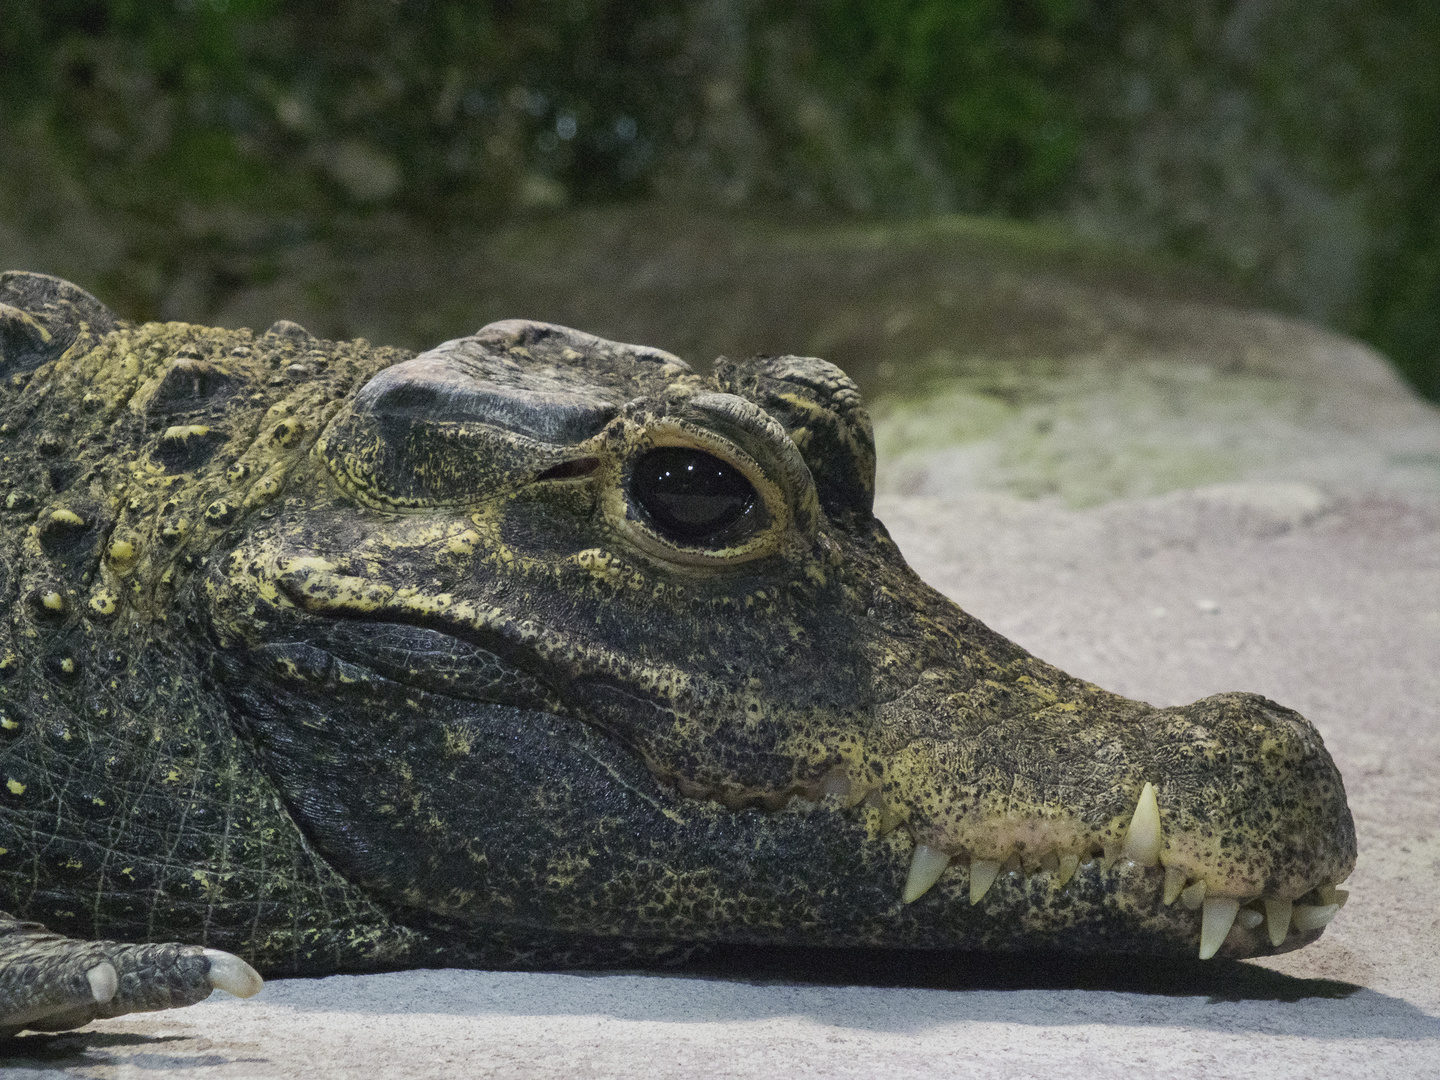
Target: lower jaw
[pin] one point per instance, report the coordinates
(1116, 908)
(1112, 897)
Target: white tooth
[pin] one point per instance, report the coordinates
(1142, 839)
(1313, 916)
(1194, 896)
(1174, 882)
(1329, 894)
(233, 975)
(103, 981)
(1277, 920)
(1068, 865)
(1215, 923)
(983, 873)
(926, 866)
(1249, 918)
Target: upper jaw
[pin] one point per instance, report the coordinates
(1170, 842)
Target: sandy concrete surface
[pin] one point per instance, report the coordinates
(1317, 584)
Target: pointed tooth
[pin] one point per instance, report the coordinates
(1068, 865)
(1313, 916)
(1193, 896)
(983, 873)
(1215, 922)
(1277, 920)
(1050, 862)
(1249, 918)
(233, 975)
(1012, 864)
(1142, 839)
(1174, 882)
(1112, 854)
(926, 866)
(1329, 894)
(103, 981)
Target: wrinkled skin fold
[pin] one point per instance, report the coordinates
(341, 659)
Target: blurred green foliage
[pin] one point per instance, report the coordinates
(1290, 144)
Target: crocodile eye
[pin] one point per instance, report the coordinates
(690, 497)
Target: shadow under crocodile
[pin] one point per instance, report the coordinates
(961, 971)
(894, 991)
(858, 989)
(39, 1053)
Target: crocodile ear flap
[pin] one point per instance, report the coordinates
(820, 409)
(41, 316)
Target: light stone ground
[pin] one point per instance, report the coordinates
(1307, 569)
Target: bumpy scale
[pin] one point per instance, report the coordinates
(542, 650)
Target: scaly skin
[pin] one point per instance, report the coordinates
(344, 660)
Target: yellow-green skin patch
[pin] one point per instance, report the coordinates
(369, 672)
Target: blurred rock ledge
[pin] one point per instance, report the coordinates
(998, 357)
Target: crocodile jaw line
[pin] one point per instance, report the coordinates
(1142, 847)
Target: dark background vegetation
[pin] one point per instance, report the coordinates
(171, 155)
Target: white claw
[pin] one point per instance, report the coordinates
(1174, 882)
(1142, 839)
(1215, 923)
(1277, 920)
(1068, 865)
(926, 866)
(1313, 916)
(103, 981)
(233, 975)
(983, 873)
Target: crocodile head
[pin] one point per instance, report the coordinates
(551, 632)
(548, 650)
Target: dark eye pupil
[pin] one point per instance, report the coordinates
(688, 495)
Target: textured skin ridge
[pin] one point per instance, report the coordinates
(141, 816)
(342, 659)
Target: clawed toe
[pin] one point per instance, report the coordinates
(53, 983)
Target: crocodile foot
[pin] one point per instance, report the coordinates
(54, 983)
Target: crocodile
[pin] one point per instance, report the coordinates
(538, 650)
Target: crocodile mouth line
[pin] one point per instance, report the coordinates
(1140, 846)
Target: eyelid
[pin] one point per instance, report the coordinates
(742, 424)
